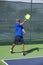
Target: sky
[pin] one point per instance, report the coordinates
(34, 1)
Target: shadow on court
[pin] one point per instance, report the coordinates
(29, 51)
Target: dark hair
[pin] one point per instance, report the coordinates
(17, 20)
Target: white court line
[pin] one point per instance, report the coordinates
(4, 62)
(24, 58)
(20, 59)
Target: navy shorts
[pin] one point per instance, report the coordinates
(19, 39)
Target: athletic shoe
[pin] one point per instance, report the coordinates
(23, 53)
(11, 51)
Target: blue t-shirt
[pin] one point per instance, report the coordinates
(18, 29)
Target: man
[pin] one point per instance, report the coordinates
(19, 34)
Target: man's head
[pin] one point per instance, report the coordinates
(17, 20)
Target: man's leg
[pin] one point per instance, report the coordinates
(22, 47)
(22, 43)
(13, 45)
(23, 53)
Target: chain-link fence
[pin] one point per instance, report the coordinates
(9, 11)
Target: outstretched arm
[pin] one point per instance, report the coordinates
(23, 22)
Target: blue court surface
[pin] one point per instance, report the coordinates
(25, 61)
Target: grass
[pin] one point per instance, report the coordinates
(33, 50)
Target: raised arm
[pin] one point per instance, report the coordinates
(23, 22)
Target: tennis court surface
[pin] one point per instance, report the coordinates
(25, 61)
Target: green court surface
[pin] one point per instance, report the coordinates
(33, 50)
